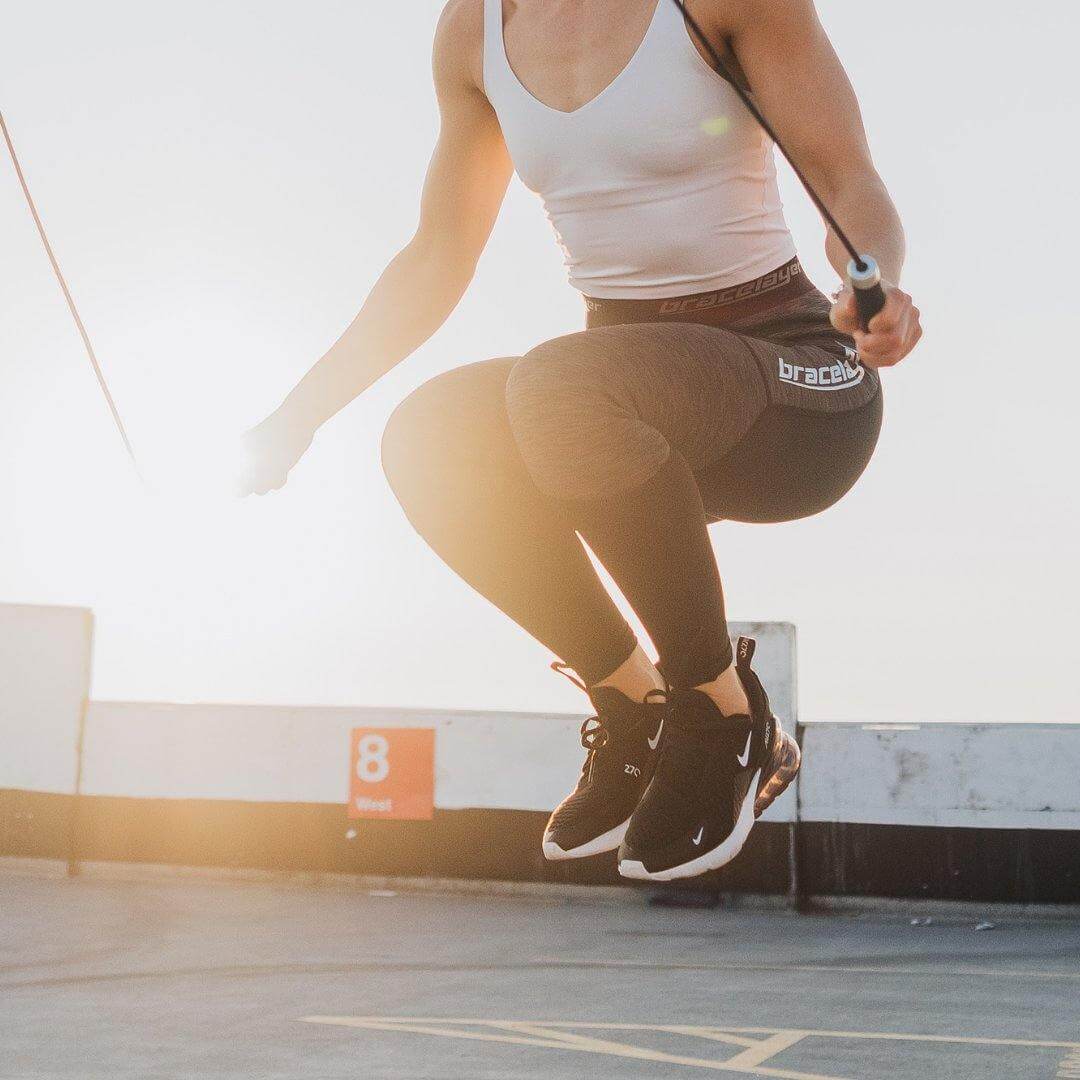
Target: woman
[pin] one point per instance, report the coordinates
(712, 381)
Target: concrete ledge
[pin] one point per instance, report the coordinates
(813, 858)
(319, 838)
(944, 911)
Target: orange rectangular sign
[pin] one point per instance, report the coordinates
(392, 773)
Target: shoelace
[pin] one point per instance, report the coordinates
(595, 734)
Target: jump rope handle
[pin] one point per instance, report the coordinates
(869, 295)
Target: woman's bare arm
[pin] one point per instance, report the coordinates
(800, 85)
(463, 191)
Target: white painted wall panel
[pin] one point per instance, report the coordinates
(991, 776)
(283, 754)
(1007, 776)
(775, 664)
(268, 754)
(301, 754)
(520, 762)
(45, 657)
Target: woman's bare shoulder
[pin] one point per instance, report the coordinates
(459, 41)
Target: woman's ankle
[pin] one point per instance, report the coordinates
(636, 677)
(728, 693)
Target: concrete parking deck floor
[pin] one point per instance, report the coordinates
(186, 978)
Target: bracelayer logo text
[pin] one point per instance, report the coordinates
(839, 375)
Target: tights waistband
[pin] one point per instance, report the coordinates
(752, 298)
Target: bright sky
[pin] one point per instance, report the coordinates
(224, 181)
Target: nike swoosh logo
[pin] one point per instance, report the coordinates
(744, 757)
(697, 839)
(654, 742)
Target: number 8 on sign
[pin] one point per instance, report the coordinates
(372, 758)
(392, 773)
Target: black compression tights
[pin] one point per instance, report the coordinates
(635, 437)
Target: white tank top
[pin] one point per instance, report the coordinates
(662, 185)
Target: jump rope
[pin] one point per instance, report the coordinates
(862, 271)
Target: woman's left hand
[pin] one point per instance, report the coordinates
(894, 331)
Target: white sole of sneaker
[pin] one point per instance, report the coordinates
(719, 856)
(608, 842)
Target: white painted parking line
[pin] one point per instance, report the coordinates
(1069, 1069)
(765, 1049)
(817, 969)
(756, 1045)
(548, 1035)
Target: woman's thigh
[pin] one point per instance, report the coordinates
(809, 445)
(596, 413)
(766, 426)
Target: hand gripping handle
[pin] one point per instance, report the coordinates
(869, 295)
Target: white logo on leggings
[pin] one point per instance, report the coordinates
(836, 376)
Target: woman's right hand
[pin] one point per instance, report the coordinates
(271, 449)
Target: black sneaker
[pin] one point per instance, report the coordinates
(715, 775)
(622, 741)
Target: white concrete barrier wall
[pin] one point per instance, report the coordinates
(776, 663)
(504, 761)
(993, 776)
(1013, 776)
(44, 687)
(270, 754)
(516, 761)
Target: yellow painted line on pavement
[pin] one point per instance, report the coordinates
(766, 1048)
(1069, 1069)
(543, 1034)
(428, 1028)
(816, 969)
(704, 1031)
(964, 1040)
(762, 1050)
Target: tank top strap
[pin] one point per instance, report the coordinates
(671, 36)
(497, 73)
(667, 29)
